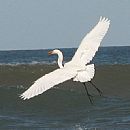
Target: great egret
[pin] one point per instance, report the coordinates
(76, 69)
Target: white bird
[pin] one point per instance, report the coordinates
(76, 69)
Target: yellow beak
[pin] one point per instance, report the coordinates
(50, 52)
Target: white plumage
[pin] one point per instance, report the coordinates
(49, 80)
(76, 68)
(91, 42)
(85, 75)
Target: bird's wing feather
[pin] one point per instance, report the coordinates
(49, 80)
(91, 42)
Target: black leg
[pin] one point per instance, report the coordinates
(99, 91)
(89, 95)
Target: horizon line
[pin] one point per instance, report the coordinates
(54, 48)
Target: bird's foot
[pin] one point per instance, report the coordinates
(99, 91)
(90, 98)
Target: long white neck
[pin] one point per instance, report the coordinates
(60, 59)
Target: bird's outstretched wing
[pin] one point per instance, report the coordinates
(91, 42)
(49, 80)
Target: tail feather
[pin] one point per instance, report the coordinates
(86, 75)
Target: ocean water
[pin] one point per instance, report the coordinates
(105, 55)
(66, 106)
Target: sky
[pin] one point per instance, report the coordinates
(42, 24)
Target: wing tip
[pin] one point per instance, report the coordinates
(104, 19)
(23, 97)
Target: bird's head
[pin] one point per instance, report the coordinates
(55, 51)
(60, 56)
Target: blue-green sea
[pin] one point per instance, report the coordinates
(66, 106)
